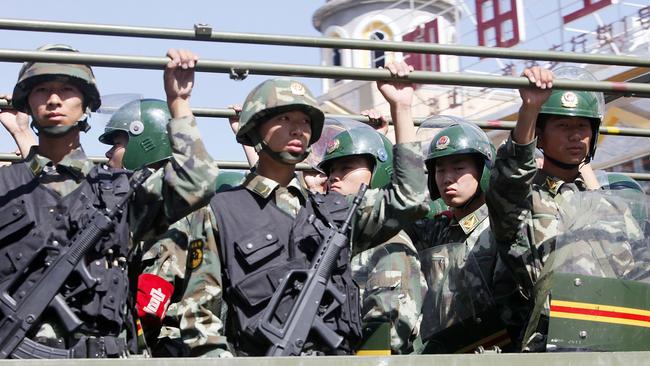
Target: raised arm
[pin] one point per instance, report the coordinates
(187, 180)
(387, 210)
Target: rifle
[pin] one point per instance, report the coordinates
(306, 312)
(21, 308)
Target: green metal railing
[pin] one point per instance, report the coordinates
(487, 125)
(333, 72)
(206, 33)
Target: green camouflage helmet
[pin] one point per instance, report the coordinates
(145, 122)
(33, 73)
(461, 137)
(569, 103)
(362, 141)
(273, 97)
(227, 180)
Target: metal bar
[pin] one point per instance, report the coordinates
(321, 42)
(332, 72)
(486, 125)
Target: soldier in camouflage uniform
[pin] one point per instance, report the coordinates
(524, 202)
(66, 188)
(389, 278)
(455, 247)
(138, 134)
(266, 226)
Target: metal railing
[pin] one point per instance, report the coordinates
(486, 125)
(242, 68)
(206, 33)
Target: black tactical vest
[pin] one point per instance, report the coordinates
(34, 217)
(259, 245)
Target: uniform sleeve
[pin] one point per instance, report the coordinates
(197, 318)
(385, 211)
(184, 183)
(509, 201)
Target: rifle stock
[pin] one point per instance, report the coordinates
(306, 314)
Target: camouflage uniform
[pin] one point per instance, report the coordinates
(383, 211)
(524, 204)
(391, 287)
(168, 194)
(457, 255)
(186, 256)
(390, 281)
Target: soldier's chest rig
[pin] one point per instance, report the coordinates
(259, 244)
(35, 223)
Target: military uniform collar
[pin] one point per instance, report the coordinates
(263, 186)
(553, 184)
(75, 163)
(471, 221)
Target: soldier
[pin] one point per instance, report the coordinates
(524, 202)
(139, 137)
(455, 247)
(389, 278)
(57, 194)
(267, 226)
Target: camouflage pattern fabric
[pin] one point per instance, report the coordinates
(275, 96)
(473, 231)
(64, 177)
(384, 212)
(392, 287)
(524, 206)
(184, 183)
(187, 257)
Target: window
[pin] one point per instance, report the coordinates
(498, 23)
(378, 58)
(426, 33)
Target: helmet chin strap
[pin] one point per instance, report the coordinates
(283, 157)
(562, 165)
(58, 131)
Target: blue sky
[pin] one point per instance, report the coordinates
(212, 90)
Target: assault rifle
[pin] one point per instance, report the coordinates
(23, 298)
(307, 312)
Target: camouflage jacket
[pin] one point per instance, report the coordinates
(524, 205)
(437, 242)
(187, 257)
(391, 287)
(170, 193)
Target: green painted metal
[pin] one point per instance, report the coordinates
(487, 125)
(333, 72)
(206, 33)
(576, 334)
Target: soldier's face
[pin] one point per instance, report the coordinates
(116, 154)
(56, 103)
(457, 178)
(287, 132)
(346, 174)
(565, 139)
